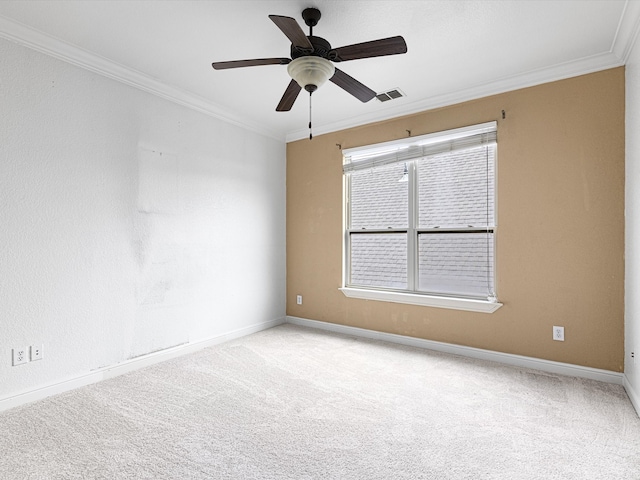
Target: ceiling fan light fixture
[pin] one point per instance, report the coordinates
(311, 62)
(311, 72)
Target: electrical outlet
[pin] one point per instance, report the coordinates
(299, 299)
(36, 352)
(19, 356)
(633, 358)
(558, 333)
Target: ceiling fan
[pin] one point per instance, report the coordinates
(312, 59)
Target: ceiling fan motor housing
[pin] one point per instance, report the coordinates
(321, 48)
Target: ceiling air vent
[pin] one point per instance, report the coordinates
(390, 95)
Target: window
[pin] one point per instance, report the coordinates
(420, 220)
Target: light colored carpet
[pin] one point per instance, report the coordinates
(295, 403)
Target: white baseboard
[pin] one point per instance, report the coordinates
(505, 358)
(163, 355)
(130, 365)
(633, 395)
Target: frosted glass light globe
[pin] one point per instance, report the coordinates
(311, 72)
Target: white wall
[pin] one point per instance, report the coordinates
(632, 226)
(128, 224)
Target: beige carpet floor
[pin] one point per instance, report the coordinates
(296, 403)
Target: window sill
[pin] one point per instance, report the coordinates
(469, 305)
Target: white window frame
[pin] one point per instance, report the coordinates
(393, 152)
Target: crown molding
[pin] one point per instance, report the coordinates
(622, 45)
(26, 36)
(529, 79)
(627, 31)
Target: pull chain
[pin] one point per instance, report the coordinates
(310, 132)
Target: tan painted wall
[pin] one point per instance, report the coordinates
(560, 235)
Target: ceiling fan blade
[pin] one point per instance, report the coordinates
(374, 48)
(290, 95)
(250, 63)
(352, 86)
(292, 30)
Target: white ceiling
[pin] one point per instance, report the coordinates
(457, 50)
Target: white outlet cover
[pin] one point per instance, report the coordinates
(299, 299)
(558, 333)
(36, 352)
(19, 356)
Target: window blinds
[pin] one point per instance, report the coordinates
(417, 147)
